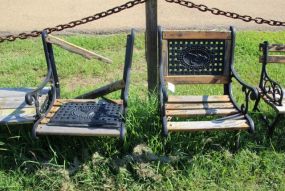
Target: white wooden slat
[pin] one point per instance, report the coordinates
(76, 131)
(208, 125)
(18, 92)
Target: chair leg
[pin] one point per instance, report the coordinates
(271, 127)
(164, 126)
(255, 108)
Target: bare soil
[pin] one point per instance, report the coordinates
(27, 15)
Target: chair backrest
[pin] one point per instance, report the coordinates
(269, 53)
(196, 57)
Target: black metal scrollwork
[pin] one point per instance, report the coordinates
(272, 90)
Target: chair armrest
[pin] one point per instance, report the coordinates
(249, 91)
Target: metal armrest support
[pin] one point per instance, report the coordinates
(271, 89)
(250, 92)
(33, 96)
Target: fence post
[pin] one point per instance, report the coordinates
(151, 44)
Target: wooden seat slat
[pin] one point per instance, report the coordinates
(43, 129)
(199, 99)
(182, 106)
(208, 125)
(196, 112)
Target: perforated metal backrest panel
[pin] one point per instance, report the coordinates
(196, 57)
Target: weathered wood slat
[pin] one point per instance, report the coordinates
(18, 92)
(76, 131)
(13, 108)
(196, 35)
(208, 125)
(196, 112)
(276, 47)
(198, 79)
(199, 99)
(76, 49)
(59, 102)
(273, 59)
(181, 106)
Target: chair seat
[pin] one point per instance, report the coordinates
(13, 108)
(185, 106)
(83, 117)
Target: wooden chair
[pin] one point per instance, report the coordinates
(201, 57)
(87, 115)
(269, 89)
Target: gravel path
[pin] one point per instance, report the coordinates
(26, 15)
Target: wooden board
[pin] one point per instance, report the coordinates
(208, 125)
(196, 35)
(273, 59)
(18, 92)
(198, 79)
(76, 49)
(197, 112)
(276, 47)
(199, 99)
(279, 109)
(76, 131)
(183, 106)
(13, 108)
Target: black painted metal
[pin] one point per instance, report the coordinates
(162, 90)
(127, 68)
(88, 114)
(270, 88)
(104, 114)
(196, 57)
(204, 57)
(249, 91)
(51, 78)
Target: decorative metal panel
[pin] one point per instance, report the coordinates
(88, 114)
(196, 57)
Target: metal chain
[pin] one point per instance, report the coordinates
(75, 23)
(215, 11)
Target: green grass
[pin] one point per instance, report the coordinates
(193, 161)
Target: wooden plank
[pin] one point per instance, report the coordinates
(273, 59)
(59, 102)
(181, 106)
(76, 131)
(76, 49)
(196, 35)
(18, 102)
(199, 99)
(276, 47)
(208, 125)
(117, 85)
(20, 116)
(151, 44)
(198, 79)
(19, 92)
(196, 112)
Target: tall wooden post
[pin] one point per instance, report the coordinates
(151, 44)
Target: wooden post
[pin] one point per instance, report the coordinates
(151, 44)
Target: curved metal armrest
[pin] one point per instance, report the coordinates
(249, 91)
(32, 97)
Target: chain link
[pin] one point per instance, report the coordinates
(75, 23)
(130, 4)
(215, 11)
